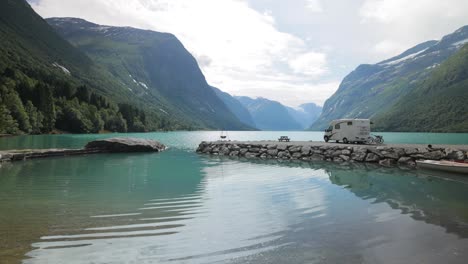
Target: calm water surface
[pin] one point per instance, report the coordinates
(179, 207)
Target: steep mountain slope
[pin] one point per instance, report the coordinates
(437, 104)
(269, 115)
(235, 107)
(305, 114)
(151, 64)
(46, 83)
(374, 89)
(25, 34)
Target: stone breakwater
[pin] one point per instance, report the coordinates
(386, 155)
(111, 145)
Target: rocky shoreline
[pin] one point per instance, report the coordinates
(111, 145)
(385, 155)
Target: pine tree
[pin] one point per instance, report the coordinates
(7, 124)
(17, 111)
(35, 118)
(46, 106)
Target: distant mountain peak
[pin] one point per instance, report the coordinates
(372, 89)
(410, 53)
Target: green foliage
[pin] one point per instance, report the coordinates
(46, 105)
(370, 91)
(153, 67)
(15, 106)
(7, 124)
(35, 118)
(436, 104)
(33, 106)
(135, 118)
(37, 94)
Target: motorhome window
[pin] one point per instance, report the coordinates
(350, 123)
(337, 126)
(330, 128)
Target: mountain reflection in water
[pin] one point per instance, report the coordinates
(147, 208)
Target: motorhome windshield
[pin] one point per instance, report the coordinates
(330, 128)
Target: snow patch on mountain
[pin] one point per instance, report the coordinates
(435, 65)
(144, 85)
(65, 70)
(408, 57)
(460, 43)
(103, 29)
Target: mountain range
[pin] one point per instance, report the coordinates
(272, 115)
(236, 107)
(151, 64)
(73, 75)
(378, 91)
(305, 114)
(437, 104)
(82, 77)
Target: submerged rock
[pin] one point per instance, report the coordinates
(126, 145)
(387, 162)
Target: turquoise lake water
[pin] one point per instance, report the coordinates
(180, 207)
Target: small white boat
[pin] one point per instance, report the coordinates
(444, 165)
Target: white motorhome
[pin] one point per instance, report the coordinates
(348, 131)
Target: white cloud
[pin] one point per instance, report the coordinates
(257, 47)
(402, 24)
(298, 93)
(314, 5)
(236, 45)
(388, 48)
(311, 63)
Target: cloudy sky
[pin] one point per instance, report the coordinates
(294, 51)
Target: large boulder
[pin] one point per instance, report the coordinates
(125, 145)
(305, 150)
(434, 155)
(272, 152)
(372, 157)
(454, 154)
(359, 154)
(408, 161)
(282, 147)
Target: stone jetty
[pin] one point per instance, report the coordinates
(385, 155)
(111, 145)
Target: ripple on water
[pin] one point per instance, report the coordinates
(253, 212)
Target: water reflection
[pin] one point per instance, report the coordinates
(150, 209)
(42, 198)
(434, 197)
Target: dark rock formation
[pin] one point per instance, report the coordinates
(126, 145)
(111, 145)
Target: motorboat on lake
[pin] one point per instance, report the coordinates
(444, 165)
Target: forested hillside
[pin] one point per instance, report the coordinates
(47, 84)
(372, 90)
(152, 65)
(45, 103)
(437, 104)
(136, 81)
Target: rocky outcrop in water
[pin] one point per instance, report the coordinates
(111, 145)
(383, 155)
(125, 145)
